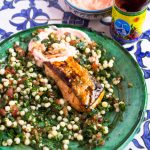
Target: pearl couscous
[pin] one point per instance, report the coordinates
(33, 111)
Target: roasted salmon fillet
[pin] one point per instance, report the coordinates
(78, 87)
(75, 83)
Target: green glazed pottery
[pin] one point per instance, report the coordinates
(124, 126)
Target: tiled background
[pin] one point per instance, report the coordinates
(17, 15)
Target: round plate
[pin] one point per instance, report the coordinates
(124, 126)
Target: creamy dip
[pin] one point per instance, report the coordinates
(92, 4)
(66, 50)
(60, 32)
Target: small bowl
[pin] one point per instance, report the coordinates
(88, 14)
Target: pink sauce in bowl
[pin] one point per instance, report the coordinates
(92, 4)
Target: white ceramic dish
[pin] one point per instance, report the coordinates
(88, 14)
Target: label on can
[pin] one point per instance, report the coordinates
(126, 26)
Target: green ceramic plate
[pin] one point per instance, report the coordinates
(123, 131)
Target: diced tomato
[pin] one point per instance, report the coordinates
(67, 33)
(10, 70)
(36, 82)
(40, 30)
(29, 55)
(58, 101)
(19, 50)
(100, 120)
(94, 66)
(73, 42)
(10, 93)
(14, 110)
(21, 81)
(2, 112)
(10, 82)
(40, 93)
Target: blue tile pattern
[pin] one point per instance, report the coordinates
(130, 48)
(7, 5)
(70, 18)
(26, 14)
(41, 12)
(146, 73)
(55, 4)
(32, 3)
(145, 137)
(4, 34)
(137, 144)
(140, 55)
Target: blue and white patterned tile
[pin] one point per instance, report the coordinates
(148, 103)
(23, 15)
(55, 12)
(4, 34)
(58, 4)
(148, 88)
(7, 13)
(7, 4)
(70, 18)
(6, 29)
(63, 5)
(54, 8)
(19, 15)
(54, 22)
(141, 51)
(142, 139)
(29, 18)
